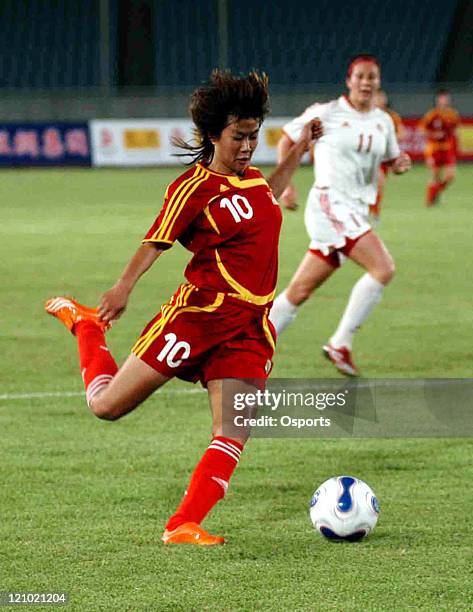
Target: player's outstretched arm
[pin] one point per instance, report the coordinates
(279, 179)
(288, 198)
(113, 302)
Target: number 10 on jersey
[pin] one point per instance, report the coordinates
(239, 207)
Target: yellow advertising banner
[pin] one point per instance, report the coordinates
(141, 139)
(465, 138)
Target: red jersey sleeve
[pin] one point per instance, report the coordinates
(455, 119)
(184, 200)
(426, 120)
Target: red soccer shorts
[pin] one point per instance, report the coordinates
(333, 258)
(438, 159)
(205, 335)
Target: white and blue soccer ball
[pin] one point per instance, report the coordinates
(344, 508)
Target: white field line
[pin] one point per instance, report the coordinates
(46, 394)
(196, 390)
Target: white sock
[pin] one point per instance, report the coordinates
(364, 296)
(283, 312)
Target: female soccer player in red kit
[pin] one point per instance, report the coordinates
(439, 126)
(215, 327)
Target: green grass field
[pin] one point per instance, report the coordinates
(83, 502)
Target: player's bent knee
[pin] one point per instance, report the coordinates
(103, 410)
(387, 273)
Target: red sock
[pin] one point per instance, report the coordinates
(209, 482)
(96, 363)
(432, 191)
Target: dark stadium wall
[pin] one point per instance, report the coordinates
(136, 43)
(456, 64)
(74, 60)
(58, 45)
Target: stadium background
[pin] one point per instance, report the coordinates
(83, 502)
(67, 61)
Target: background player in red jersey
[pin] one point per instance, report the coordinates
(439, 126)
(215, 327)
(382, 102)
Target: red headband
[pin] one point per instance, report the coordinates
(362, 59)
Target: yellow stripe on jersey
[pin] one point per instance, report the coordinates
(157, 240)
(175, 195)
(219, 195)
(210, 308)
(267, 331)
(180, 205)
(166, 312)
(210, 219)
(176, 203)
(142, 340)
(170, 313)
(242, 293)
(169, 215)
(235, 181)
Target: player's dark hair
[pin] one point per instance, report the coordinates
(222, 97)
(362, 57)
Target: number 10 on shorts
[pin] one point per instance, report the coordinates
(172, 348)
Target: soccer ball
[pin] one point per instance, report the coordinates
(344, 508)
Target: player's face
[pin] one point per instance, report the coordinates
(235, 146)
(443, 100)
(363, 83)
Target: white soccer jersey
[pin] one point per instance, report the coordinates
(348, 156)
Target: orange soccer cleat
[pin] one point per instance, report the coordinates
(191, 533)
(341, 359)
(70, 312)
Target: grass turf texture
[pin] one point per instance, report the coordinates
(83, 502)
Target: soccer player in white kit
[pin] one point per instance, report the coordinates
(357, 137)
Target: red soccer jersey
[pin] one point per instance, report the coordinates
(231, 225)
(439, 125)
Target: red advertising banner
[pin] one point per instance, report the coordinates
(413, 141)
